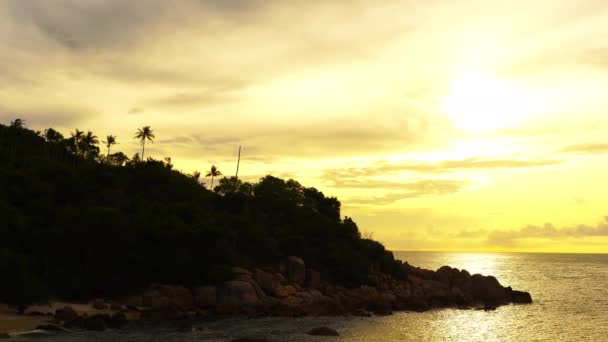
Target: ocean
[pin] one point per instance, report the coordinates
(570, 293)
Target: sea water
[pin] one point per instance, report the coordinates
(570, 293)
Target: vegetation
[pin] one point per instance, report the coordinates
(143, 134)
(76, 224)
(213, 172)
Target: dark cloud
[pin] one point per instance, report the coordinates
(38, 119)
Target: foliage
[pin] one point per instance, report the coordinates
(76, 227)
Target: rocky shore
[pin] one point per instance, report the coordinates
(291, 289)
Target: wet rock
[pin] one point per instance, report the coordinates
(65, 314)
(521, 297)
(296, 270)
(4, 336)
(488, 289)
(323, 331)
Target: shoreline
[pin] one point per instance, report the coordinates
(285, 290)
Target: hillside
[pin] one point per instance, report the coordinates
(77, 224)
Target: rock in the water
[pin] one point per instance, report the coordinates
(99, 304)
(75, 323)
(521, 297)
(323, 331)
(296, 270)
(238, 293)
(66, 314)
(488, 289)
(4, 336)
(95, 323)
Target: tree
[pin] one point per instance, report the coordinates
(110, 140)
(18, 123)
(77, 136)
(196, 176)
(88, 144)
(118, 158)
(143, 134)
(52, 135)
(213, 172)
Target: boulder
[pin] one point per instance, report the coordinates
(66, 314)
(285, 291)
(116, 307)
(296, 270)
(4, 336)
(75, 323)
(205, 297)
(269, 282)
(99, 304)
(521, 297)
(95, 323)
(323, 331)
(488, 289)
(134, 301)
(236, 293)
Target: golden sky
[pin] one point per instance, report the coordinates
(471, 125)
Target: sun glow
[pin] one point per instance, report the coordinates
(479, 102)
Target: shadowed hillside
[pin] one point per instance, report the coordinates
(77, 224)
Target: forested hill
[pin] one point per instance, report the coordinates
(77, 223)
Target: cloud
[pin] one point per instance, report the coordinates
(587, 149)
(547, 231)
(63, 116)
(445, 166)
(405, 190)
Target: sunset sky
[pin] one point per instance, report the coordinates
(470, 125)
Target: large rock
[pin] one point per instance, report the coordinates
(99, 304)
(117, 321)
(236, 293)
(206, 296)
(269, 282)
(296, 270)
(488, 289)
(521, 297)
(163, 296)
(285, 291)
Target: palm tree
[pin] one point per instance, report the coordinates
(77, 136)
(88, 143)
(143, 134)
(110, 140)
(214, 172)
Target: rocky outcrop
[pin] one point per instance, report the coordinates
(66, 314)
(290, 289)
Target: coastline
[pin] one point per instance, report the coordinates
(288, 289)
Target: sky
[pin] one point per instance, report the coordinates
(465, 125)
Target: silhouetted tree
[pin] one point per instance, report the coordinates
(118, 159)
(18, 123)
(88, 145)
(77, 137)
(143, 134)
(110, 140)
(213, 172)
(52, 135)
